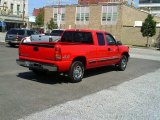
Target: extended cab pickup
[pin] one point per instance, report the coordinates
(76, 51)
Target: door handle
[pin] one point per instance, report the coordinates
(35, 48)
(109, 49)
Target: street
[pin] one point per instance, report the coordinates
(22, 93)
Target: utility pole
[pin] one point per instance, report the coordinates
(59, 14)
(23, 14)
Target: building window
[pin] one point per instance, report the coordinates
(5, 5)
(109, 15)
(18, 9)
(82, 15)
(12, 8)
(59, 15)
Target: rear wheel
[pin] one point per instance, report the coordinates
(123, 63)
(11, 45)
(76, 71)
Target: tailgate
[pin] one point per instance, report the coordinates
(39, 51)
(44, 38)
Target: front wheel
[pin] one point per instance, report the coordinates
(76, 71)
(123, 63)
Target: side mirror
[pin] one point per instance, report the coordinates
(119, 43)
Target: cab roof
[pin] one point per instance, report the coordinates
(86, 30)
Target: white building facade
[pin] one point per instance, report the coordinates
(13, 14)
(152, 6)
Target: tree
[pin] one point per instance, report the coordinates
(52, 25)
(148, 28)
(40, 18)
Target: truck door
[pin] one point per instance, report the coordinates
(102, 56)
(112, 49)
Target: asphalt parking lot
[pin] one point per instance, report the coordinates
(22, 93)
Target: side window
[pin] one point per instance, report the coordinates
(21, 32)
(100, 38)
(67, 37)
(29, 33)
(110, 39)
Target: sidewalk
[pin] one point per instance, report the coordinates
(2, 37)
(144, 53)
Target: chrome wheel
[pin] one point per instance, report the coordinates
(123, 63)
(77, 73)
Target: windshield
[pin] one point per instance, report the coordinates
(16, 32)
(56, 32)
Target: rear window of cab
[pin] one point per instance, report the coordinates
(77, 37)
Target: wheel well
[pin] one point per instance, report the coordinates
(80, 58)
(126, 54)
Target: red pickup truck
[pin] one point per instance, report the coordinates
(76, 51)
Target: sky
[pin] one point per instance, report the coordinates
(41, 3)
(136, 2)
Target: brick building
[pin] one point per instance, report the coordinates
(82, 2)
(122, 21)
(35, 12)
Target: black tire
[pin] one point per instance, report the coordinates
(122, 63)
(11, 45)
(76, 72)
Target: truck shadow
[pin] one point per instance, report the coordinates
(59, 79)
(45, 79)
(100, 70)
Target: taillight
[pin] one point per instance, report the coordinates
(17, 36)
(50, 39)
(58, 55)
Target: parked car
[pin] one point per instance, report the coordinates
(15, 35)
(54, 36)
(57, 32)
(158, 44)
(76, 51)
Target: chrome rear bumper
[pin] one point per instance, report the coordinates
(13, 41)
(36, 65)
